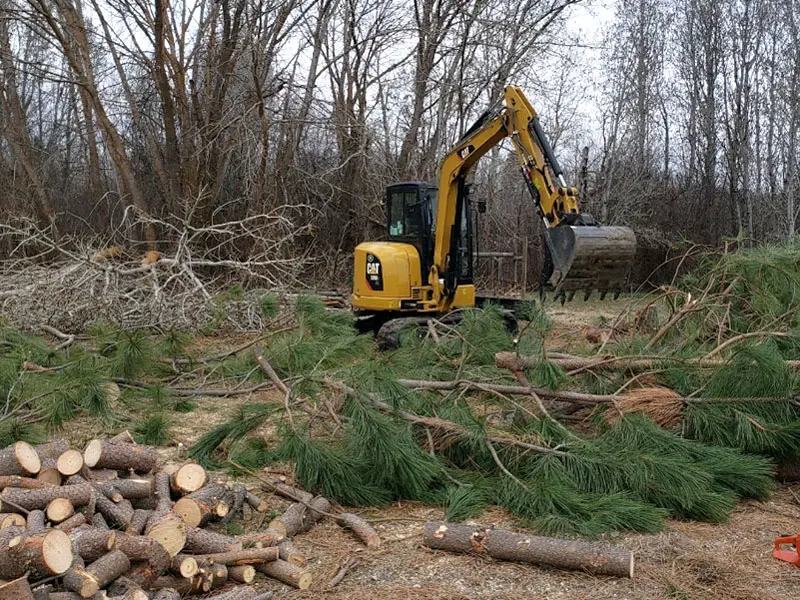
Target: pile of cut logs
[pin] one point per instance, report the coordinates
(111, 522)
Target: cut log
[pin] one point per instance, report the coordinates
(99, 521)
(268, 537)
(200, 507)
(109, 455)
(239, 495)
(70, 463)
(116, 514)
(91, 543)
(290, 522)
(52, 449)
(123, 437)
(19, 459)
(140, 548)
(361, 528)
(35, 520)
(596, 559)
(139, 520)
(184, 565)
(127, 589)
(286, 573)
(143, 574)
(256, 503)
(48, 472)
(133, 488)
(59, 509)
(182, 585)
(251, 556)
(169, 530)
(19, 589)
(242, 573)
(87, 581)
(22, 482)
(79, 495)
(187, 479)
(40, 554)
(102, 474)
(292, 493)
(215, 574)
(161, 492)
(291, 554)
(73, 522)
(12, 520)
(203, 541)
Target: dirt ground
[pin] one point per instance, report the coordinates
(688, 561)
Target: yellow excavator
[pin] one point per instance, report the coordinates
(425, 269)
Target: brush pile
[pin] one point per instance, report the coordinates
(75, 524)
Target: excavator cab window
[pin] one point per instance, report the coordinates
(411, 214)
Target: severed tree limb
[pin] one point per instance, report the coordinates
(350, 563)
(273, 376)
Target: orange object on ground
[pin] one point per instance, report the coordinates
(790, 556)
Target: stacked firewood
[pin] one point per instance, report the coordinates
(110, 522)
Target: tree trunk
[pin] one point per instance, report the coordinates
(595, 559)
(69, 463)
(22, 482)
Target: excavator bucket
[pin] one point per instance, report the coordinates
(586, 258)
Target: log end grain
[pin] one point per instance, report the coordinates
(92, 453)
(188, 510)
(49, 476)
(189, 478)
(59, 509)
(11, 520)
(57, 552)
(169, 531)
(69, 463)
(27, 458)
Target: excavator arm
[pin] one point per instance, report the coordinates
(581, 255)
